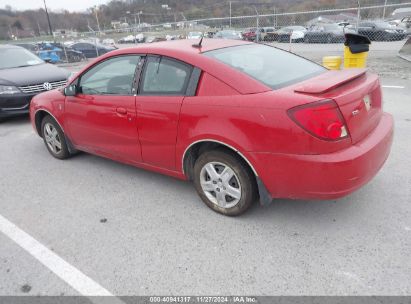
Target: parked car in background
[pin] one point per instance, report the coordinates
(127, 40)
(152, 39)
(56, 52)
(243, 121)
(296, 33)
(110, 42)
(228, 34)
(326, 33)
(210, 34)
(194, 35)
(91, 50)
(172, 37)
(250, 34)
(381, 31)
(23, 75)
(140, 38)
(406, 24)
(264, 31)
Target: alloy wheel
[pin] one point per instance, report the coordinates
(52, 138)
(220, 184)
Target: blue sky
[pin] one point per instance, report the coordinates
(71, 5)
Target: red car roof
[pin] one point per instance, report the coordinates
(183, 50)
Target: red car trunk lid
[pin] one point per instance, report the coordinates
(357, 93)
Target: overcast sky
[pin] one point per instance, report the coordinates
(71, 5)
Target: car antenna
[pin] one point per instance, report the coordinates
(198, 45)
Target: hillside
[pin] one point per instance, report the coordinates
(34, 22)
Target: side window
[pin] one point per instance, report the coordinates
(164, 76)
(88, 46)
(80, 46)
(114, 76)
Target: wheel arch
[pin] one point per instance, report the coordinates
(193, 151)
(38, 118)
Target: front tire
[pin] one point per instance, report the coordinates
(224, 182)
(54, 138)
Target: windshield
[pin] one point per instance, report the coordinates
(17, 57)
(383, 24)
(273, 67)
(332, 27)
(296, 28)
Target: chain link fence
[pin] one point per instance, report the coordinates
(299, 32)
(320, 26)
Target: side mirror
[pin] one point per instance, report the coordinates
(71, 90)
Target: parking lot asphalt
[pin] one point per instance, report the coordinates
(135, 232)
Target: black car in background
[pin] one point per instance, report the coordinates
(381, 31)
(325, 33)
(91, 49)
(295, 32)
(23, 75)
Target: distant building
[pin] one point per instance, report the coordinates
(342, 17)
(115, 24)
(400, 13)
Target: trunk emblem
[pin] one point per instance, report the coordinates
(355, 112)
(367, 102)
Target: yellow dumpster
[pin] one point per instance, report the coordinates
(356, 49)
(332, 62)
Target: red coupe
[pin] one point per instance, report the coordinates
(243, 121)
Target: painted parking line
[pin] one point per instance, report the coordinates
(393, 87)
(68, 273)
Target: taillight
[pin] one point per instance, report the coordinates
(322, 119)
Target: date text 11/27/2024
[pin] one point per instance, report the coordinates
(203, 299)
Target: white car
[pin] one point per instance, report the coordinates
(194, 35)
(110, 42)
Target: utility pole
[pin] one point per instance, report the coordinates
(38, 25)
(98, 23)
(383, 12)
(257, 32)
(138, 16)
(230, 14)
(48, 19)
(358, 14)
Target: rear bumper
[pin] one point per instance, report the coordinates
(326, 176)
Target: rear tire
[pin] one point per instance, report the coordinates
(224, 182)
(54, 138)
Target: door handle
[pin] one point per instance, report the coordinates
(121, 111)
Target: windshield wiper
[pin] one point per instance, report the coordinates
(22, 66)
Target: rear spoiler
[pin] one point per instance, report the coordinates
(329, 81)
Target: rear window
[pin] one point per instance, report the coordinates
(273, 67)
